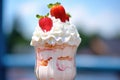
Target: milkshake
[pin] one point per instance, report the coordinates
(55, 40)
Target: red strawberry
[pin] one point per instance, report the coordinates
(45, 23)
(58, 11)
(67, 17)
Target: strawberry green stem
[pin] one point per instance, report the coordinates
(68, 14)
(47, 14)
(51, 5)
(39, 16)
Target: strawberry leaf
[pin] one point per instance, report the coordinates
(57, 3)
(68, 14)
(39, 16)
(51, 5)
(47, 14)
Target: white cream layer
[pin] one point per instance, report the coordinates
(61, 32)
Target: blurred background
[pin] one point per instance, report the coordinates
(98, 22)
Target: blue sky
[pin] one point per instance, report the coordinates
(97, 16)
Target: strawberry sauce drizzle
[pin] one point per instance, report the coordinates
(61, 67)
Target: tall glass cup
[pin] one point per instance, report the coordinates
(55, 62)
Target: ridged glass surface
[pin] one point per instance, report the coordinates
(55, 63)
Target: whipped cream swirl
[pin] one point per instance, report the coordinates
(61, 33)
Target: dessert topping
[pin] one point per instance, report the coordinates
(58, 11)
(45, 23)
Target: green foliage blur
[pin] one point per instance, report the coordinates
(15, 38)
